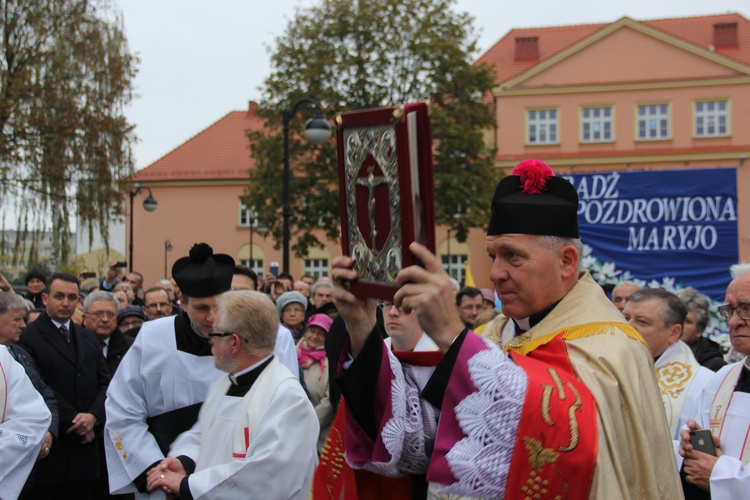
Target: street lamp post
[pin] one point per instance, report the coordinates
(251, 222)
(449, 253)
(317, 131)
(149, 205)
(167, 248)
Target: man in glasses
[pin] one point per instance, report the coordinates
(163, 380)
(470, 303)
(724, 408)
(156, 303)
(158, 390)
(257, 431)
(100, 311)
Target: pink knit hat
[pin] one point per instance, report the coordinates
(320, 320)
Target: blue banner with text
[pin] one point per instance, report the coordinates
(674, 227)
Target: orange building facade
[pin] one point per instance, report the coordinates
(630, 95)
(626, 96)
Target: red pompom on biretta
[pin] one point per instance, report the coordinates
(533, 174)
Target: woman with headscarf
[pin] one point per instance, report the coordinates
(292, 307)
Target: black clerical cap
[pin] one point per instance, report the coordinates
(203, 274)
(533, 201)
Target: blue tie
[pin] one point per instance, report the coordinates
(65, 333)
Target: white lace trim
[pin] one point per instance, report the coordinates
(489, 418)
(393, 434)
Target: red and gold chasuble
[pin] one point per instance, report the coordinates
(556, 445)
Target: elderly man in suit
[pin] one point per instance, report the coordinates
(100, 310)
(70, 360)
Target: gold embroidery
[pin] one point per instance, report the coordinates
(558, 383)
(539, 456)
(715, 422)
(573, 421)
(546, 397)
(333, 453)
(116, 438)
(546, 408)
(674, 378)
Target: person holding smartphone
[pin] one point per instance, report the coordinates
(724, 409)
(113, 276)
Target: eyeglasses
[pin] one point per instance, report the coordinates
(126, 324)
(726, 311)
(160, 305)
(103, 314)
(295, 310)
(385, 305)
(212, 336)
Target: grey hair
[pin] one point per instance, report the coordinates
(673, 311)
(738, 270)
(11, 300)
(320, 284)
(251, 315)
(554, 243)
(165, 282)
(100, 296)
(628, 282)
(698, 302)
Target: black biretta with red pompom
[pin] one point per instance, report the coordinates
(533, 201)
(203, 274)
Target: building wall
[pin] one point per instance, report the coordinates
(194, 213)
(643, 71)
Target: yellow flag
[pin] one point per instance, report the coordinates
(469, 279)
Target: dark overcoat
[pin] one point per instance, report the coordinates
(78, 375)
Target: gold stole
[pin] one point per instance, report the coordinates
(720, 405)
(675, 377)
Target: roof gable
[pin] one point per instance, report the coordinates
(219, 152)
(612, 57)
(693, 34)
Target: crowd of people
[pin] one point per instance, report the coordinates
(219, 383)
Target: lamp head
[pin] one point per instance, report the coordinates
(317, 129)
(150, 203)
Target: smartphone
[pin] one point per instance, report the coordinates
(274, 269)
(88, 275)
(702, 440)
(121, 264)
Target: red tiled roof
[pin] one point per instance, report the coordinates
(221, 151)
(554, 39)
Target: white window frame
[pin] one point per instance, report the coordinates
(316, 267)
(651, 116)
(706, 114)
(456, 268)
(597, 122)
(245, 214)
(542, 123)
(256, 266)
